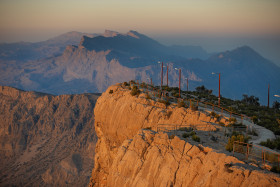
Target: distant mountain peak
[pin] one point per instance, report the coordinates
(109, 33)
(133, 34)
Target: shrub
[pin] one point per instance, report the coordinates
(187, 129)
(195, 138)
(148, 128)
(235, 137)
(218, 117)
(125, 84)
(186, 135)
(166, 102)
(148, 96)
(232, 120)
(255, 119)
(192, 133)
(111, 91)
(171, 136)
(272, 144)
(193, 107)
(181, 104)
(213, 114)
(135, 91)
(275, 169)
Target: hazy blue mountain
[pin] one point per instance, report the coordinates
(99, 61)
(24, 51)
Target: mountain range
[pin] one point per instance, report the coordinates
(79, 62)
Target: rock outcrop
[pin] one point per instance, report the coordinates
(125, 156)
(152, 159)
(46, 140)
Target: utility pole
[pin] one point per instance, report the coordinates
(167, 75)
(219, 89)
(268, 97)
(179, 82)
(161, 74)
(187, 84)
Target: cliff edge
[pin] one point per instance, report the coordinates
(125, 155)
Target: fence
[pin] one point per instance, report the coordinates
(256, 153)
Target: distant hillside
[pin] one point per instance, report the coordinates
(46, 140)
(100, 61)
(25, 51)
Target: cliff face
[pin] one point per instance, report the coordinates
(125, 156)
(46, 139)
(152, 159)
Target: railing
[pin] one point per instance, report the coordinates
(256, 153)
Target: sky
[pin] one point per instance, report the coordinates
(171, 21)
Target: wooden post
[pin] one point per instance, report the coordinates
(247, 151)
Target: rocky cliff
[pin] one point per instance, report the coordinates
(125, 156)
(46, 140)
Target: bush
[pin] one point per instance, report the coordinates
(181, 104)
(195, 138)
(275, 169)
(235, 137)
(187, 129)
(135, 91)
(171, 136)
(168, 114)
(125, 84)
(148, 96)
(232, 120)
(166, 102)
(186, 135)
(272, 144)
(148, 128)
(111, 91)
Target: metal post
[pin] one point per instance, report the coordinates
(268, 97)
(167, 76)
(179, 82)
(161, 74)
(187, 84)
(219, 88)
(247, 152)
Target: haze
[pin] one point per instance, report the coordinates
(36, 20)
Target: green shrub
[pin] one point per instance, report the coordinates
(111, 91)
(148, 128)
(187, 129)
(166, 102)
(125, 84)
(275, 169)
(135, 91)
(235, 137)
(181, 104)
(186, 135)
(148, 96)
(232, 120)
(195, 138)
(192, 133)
(272, 144)
(171, 136)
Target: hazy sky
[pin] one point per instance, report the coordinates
(35, 20)
(22, 19)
